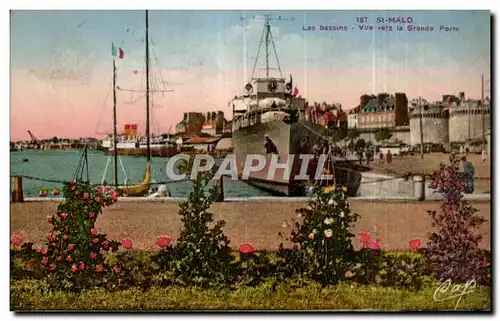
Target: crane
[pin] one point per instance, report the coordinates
(34, 141)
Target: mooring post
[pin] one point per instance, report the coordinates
(419, 187)
(220, 184)
(17, 190)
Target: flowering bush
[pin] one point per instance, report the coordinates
(323, 236)
(453, 251)
(201, 255)
(72, 257)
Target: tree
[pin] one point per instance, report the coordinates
(338, 134)
(360, 144)
(55, 140)
(352, 133)
(383, 135)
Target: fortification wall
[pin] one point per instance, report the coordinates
(435, 127)
(460, 117)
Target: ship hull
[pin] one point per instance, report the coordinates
(155, 151)
(291, 140)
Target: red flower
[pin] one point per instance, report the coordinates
(85, 196)
(89, 202)
(82, 266)
(99, 268)
(53, 245)
(73, 188)
(93, 255)
(246, 248)
(91, 214)
(45, 260)
(16, 239)
(63, 216)
(107, 189)
(51, 237)
(69, 259)
(95, 241)
(116, 269)
(372, 245)
(163, 241)
(71, 247)
(105, 245)
(52, 267)
(365, 237)
(43, 251)
(59, 258)
(65, 237)
(72, 182)
(127, 244)
(99, 190)
(50, 219)
(93, 232)
(114, 196)
(55, 192)
(97, 200)
(74, 268)
(415, 244)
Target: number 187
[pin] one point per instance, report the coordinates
(361, 19)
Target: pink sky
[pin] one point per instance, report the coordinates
(72, 110)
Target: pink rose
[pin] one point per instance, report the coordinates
(91, 214)
(73, 188)
(116, 269)
(97, 200)
(365, 237)
(82, 266)
(372, 245)
(69, 259)
(246, 248)
(59, 258)
(414, 244)
(71, 247)
(114, 196)
(63, 216)
(95, 241)
(85, 196)
(93, 232)
(50, 219)
(74, 268)
(105, 245)
(45, 260)
(93, 255)
(99, 268)
(52, 267)
(43, 251)
(16, 239)
(65, 237)
(163, 241)
(127, 244)
(98, 190)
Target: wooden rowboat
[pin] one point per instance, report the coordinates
(137, 190)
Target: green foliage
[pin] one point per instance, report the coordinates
(323, 236)
(202, 255)
(73, 256)
(383, 134)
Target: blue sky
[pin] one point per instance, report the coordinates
(38, 37)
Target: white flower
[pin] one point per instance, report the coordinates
(328, 233)
(342, 214)
(311, 189)
(315, 231)
(327, 221)
(331, 201)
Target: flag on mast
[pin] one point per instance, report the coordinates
(116, 52)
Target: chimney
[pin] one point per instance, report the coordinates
(461, 95)
(185, 116)
(213, 116)
(208, 116)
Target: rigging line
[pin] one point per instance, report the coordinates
(275, 53)
(258, 51)
(104, 105)
(158, 64)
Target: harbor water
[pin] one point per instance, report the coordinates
(62, 165)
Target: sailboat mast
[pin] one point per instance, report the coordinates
(268, 30)
(148, 151)
(115, 138)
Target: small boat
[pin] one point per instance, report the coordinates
(137, 190)
(25, 160)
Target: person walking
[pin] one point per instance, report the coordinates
(381, 158)
(469, 172)
(389, 157)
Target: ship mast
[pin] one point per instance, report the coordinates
(148, 147)
(115, 138)
(268, 40)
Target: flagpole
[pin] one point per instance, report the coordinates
(148, 150)
(115, 139)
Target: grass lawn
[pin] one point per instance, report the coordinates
(27, 295)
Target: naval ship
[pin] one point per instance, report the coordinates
(270, 118)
